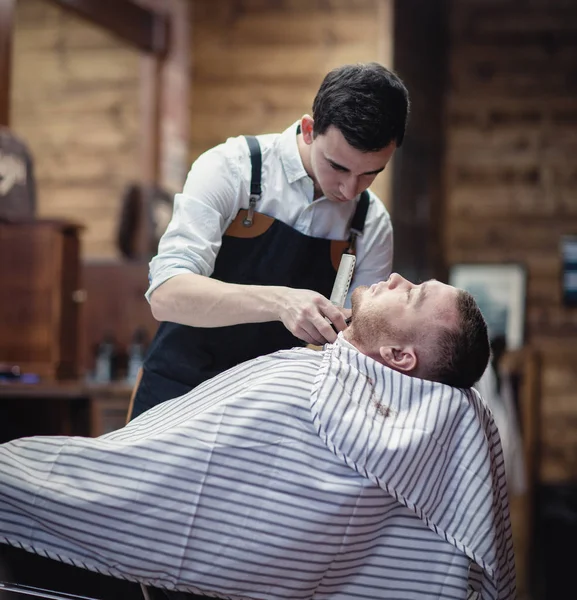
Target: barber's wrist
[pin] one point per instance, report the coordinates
(271, 300)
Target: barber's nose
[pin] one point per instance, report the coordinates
(349, 187)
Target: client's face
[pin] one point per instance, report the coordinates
(398, 311)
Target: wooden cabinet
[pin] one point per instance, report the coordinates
(108, 407)
(62, 408)
(40, 298)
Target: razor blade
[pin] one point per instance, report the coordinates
(343, 280)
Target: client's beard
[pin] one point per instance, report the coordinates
(356, 300)
(368, 330)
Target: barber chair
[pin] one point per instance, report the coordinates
(133, 395)
(27, 591)
(28, 576)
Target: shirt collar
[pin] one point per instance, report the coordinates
(290, 155)
(340, 341)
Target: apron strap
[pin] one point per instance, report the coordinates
(255, 178)
(358, 222)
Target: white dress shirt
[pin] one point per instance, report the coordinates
(302, 475)
(217, 187)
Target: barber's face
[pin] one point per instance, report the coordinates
(398, 311)
(340, 171)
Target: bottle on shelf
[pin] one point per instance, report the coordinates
(136, 353)
(104, 364)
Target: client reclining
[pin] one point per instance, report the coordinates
(368, 469)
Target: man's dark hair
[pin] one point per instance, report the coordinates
(462, 353)
(367, 103)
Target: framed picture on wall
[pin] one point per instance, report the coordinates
(569, 258)
(500, 291)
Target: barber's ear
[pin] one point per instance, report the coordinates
(402, 359)
(307, 123)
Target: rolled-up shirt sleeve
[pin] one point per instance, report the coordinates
(207, 205)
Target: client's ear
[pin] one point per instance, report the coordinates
(403, 359)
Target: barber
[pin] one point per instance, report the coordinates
(248, 261)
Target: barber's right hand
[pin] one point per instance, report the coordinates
(304, 313)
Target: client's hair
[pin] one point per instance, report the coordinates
(462, 354)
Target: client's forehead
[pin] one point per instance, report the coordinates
(438, 298)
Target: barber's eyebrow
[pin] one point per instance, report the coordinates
(336, 165)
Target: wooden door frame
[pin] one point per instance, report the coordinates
(7, 8)
(421, 52)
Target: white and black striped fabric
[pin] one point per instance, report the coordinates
(301, 475)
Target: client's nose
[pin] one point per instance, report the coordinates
(395, 280)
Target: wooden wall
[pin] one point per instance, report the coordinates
(256, 67)
(258, 64)
(420, 51)
(75, 100)
(511, 175)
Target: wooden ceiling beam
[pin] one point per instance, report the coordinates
(141, 27)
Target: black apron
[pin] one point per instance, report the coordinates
(266, 252)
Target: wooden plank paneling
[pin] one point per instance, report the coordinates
(75, 99)
(256, 68)
(510, 172)
(511, 134)
(257, 65)
(559, 416)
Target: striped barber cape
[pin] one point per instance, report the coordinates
(303, 474)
